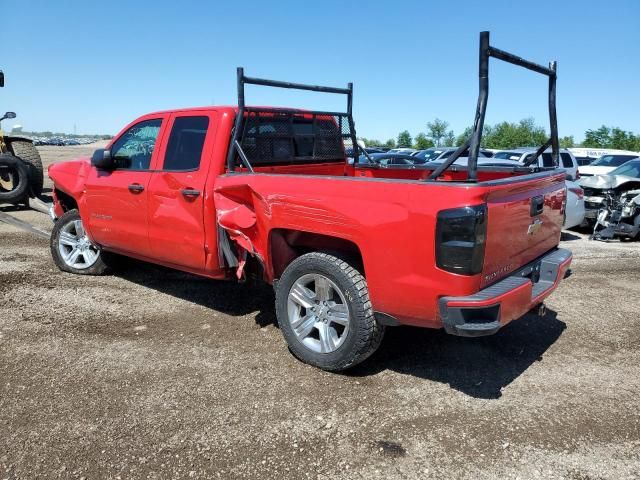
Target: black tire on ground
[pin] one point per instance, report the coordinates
(28, 153)
(14, 171)
(365, 333)
(100, 267)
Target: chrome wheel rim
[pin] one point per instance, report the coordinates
(318, 313)
(76, 250)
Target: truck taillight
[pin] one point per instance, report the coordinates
(460, 239)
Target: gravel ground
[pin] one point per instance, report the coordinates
(152, 373)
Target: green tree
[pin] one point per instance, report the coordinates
(460, 139)
(371, 142)
(607, 137)
(404, 139)
(599, 138)
(437, 131)
(449, 139)
(525, 133)
(622, 140)
(567, 142)
(391, 143)
(421, 142)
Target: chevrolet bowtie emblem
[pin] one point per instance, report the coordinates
(534, 227)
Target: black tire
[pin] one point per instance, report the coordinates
(28, 153)
(365, 333)
(100, 267)
(14, 169)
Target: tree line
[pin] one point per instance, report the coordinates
(506, 135)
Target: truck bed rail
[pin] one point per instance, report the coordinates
(236, 146)
(473, 142)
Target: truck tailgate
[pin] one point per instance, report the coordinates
(525, 218)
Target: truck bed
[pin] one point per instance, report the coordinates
(391, 224)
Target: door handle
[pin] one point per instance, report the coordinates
(135, 188)
(190, 193)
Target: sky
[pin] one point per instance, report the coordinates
(96, 66)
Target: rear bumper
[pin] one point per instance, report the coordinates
(485, 312)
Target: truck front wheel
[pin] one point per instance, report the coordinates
(324, 312)
(71, 249)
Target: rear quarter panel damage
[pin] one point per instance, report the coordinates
(392, 223)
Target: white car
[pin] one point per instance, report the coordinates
(606, 164)
(575, 211)
(568, 161)
(575, 205)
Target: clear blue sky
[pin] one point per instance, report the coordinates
(101, 64)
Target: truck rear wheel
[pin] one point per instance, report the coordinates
(324, 312)
(71, 249)
(28, 153)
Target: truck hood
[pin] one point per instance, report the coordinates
(606, 182)
(70, 176)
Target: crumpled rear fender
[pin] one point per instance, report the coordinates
(236, 215)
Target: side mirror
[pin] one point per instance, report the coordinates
(8, 115)
(1, 79)
(102, 160)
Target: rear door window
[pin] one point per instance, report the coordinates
(547, 160)
(283, 137)
(184, 149)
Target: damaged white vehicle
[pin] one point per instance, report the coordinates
(612, 202)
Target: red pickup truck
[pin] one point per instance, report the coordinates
(350, 247)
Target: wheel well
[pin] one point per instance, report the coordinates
(286, 245)
(67, 201)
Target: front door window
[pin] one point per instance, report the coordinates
(133, 150)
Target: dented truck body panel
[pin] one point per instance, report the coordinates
(278, 212)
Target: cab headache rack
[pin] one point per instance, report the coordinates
(236, 147)
(473, 142)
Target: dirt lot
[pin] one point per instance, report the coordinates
(156, 374)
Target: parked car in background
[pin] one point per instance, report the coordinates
(349, 151)
(606, 164)
(387, 158)
(587, 155)
(406, 151)
(584, 161)
(575, 207)
(434, 154)
(567, 160)
(600, 189)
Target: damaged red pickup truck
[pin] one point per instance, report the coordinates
(351, 248)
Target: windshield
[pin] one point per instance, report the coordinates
(508, 156)
(448, 153)
(426, 155)
(612, 160)
(390, 159)
(630, 169)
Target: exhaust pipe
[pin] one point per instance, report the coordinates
(542, 310)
